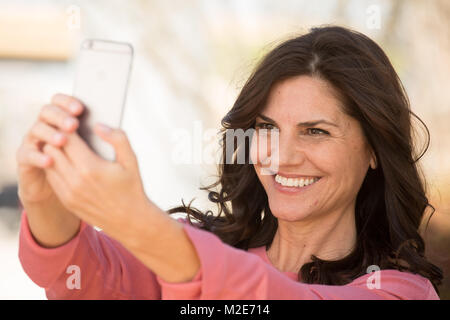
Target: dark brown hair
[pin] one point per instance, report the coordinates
(392, 200)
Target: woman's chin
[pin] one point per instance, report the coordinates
(290, 213)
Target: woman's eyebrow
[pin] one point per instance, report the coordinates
(311, 123)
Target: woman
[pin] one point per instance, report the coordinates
(344, 199)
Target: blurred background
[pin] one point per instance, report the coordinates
(191, 59)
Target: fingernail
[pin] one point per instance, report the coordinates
(69, 123)
(45, 160)
(74, 107)
(58, 137)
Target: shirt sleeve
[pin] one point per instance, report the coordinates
(90, 266)
(230, 273)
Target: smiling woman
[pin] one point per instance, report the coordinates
(344, 121)
(345, 200)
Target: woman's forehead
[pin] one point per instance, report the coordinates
(303, 98)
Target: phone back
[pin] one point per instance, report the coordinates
(101, 83)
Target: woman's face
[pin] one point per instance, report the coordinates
(316, 141)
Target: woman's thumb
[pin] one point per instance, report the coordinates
(119, 140)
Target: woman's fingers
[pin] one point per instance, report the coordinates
(61, 163)
(61, 114)
(79, 152)
(47, 134)
(32, 157)
(58, 118)
(68, 103)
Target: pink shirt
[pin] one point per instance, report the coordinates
(109, 271)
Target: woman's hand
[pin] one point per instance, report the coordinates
(102, 193)
(110, 195)
(55, 121)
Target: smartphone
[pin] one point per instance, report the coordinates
(101, 82)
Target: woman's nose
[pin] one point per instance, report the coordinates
(274, 150)
(289, 153)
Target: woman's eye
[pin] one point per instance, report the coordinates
(267, 126)
(316, 131)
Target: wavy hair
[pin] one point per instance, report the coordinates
(392, 200)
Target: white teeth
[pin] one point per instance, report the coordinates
(294, 182)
